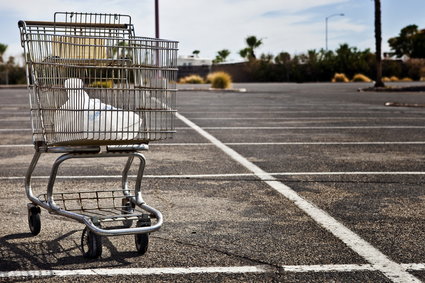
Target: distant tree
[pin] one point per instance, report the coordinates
(252, 43)
(410, 42)
(11, 61)
(244, 52)
(3, 48)
(267, 57)
(282, 58)
(350, 60)
(196, 52)
(283, 61)
(221, 56)
(312, 56)
(378, 43)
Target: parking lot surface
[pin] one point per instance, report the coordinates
(281, 183)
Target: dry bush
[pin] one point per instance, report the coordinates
(192, 79)
(340, 78)
(361, 78)
(220, 80)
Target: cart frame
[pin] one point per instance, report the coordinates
(97, 49)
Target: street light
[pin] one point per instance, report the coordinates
(326, 26)
(157, 18)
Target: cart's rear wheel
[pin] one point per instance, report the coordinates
(142, 240)
(91, 243)
(127, 208)
(34, 221)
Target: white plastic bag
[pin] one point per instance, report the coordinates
(92, 118)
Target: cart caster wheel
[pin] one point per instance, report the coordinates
(34, 221)
(142, 240)
(127, 208)
(91, 244)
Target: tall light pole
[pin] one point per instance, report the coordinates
(157, 18)
(326, 26)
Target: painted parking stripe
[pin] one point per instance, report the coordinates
(315, 110)
(200, 270)
(133, 271)
(328, 268)
(273, 128)
(414, 266)
(381, 262)
(308, 118)
(309, 127)
(327, 143)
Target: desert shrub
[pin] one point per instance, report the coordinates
(415, 68)
(422, 74)
(102, 84)
(220, 80)
(340, 78)
(192, 79)
(361, 78)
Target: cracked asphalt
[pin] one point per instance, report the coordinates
(340, 149)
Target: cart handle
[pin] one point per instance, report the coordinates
(70, 24)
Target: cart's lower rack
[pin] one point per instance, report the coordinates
(97, 202)
(95, 208)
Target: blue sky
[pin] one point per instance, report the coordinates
(294, 26)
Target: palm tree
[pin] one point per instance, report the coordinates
(3, 48)
(196, 53)
(252, 43)
(378, 40)
(221, 56)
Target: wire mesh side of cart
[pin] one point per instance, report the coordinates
(130, 81)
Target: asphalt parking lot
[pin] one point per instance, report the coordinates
(282, 183)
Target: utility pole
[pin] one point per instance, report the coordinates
(157, 18)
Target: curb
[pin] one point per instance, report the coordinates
(12, 86)
(214, 89)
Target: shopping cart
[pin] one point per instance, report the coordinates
(97, 90)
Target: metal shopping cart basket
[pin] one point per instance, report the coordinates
(97, 90)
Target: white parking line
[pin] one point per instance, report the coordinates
(16, 130)
(327, 268)
(309, 118)
(134, 271)
(273, 128)
(381, 262)
(309, 127)
(327, 143)
(315, 110)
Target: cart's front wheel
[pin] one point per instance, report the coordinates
(34, 221)
(142, 240)
(91, 244)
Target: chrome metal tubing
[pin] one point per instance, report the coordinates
(137, 199)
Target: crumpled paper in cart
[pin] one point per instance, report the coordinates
(93, 118)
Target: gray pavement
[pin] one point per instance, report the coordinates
(341, 150)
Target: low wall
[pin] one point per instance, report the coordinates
(238, 71)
